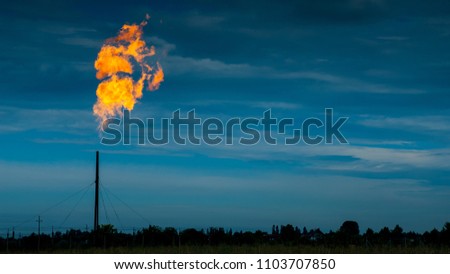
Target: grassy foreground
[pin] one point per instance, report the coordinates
(261, 249)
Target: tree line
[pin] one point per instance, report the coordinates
(107, 236)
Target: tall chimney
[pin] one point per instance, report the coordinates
(96, 192)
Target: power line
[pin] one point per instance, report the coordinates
(73, 208)
(112, 206)
(129, 207)
(55, 205)
(104, 208)
(39, 221)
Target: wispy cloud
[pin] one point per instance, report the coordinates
(209, 67)
(421, 124)
(364, 158)
(393, 38)
(201, 68)
(382, 142)
(206, 67)
(346, 84)
(60, 29)
(203, 21)
(82, 41)
(252, 104)
(375, 159)
(62, 120)
(77, 141)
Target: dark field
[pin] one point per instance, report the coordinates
(283, 239)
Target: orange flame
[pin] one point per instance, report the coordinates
(115, 67)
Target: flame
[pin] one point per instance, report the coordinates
(116, 62)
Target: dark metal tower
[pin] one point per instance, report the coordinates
(96, 193)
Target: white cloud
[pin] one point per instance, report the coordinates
(253, 104)
(420, 124)
(206, 67)
(82, 41)
(377, 142)
(365, 158)
(174, 64)
(63, 29)
(178, 65)
(389, 159)
(162, 46)
(62, 120)
(393, 38)
(198, 20)
(346, 84)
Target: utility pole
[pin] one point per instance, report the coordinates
(96, 192)
(39, 221)
(179, 241)
(7, 243)
(53, 236)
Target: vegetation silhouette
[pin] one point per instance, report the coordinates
(282, 239)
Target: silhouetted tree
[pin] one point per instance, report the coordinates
(349, 232)
(385, 236)
(170, 236)
(446, 234)
(287, 234)
(350, 228)
(152, 235)
(397, 235)
(107, 236)
(192, 236)
(217, 236)
(432, 237)
(368, 237)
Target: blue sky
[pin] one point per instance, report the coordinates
(383, 64)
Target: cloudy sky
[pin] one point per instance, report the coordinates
(383, 64)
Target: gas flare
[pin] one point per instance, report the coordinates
(123, 68)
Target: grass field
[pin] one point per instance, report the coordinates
(261, 249)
